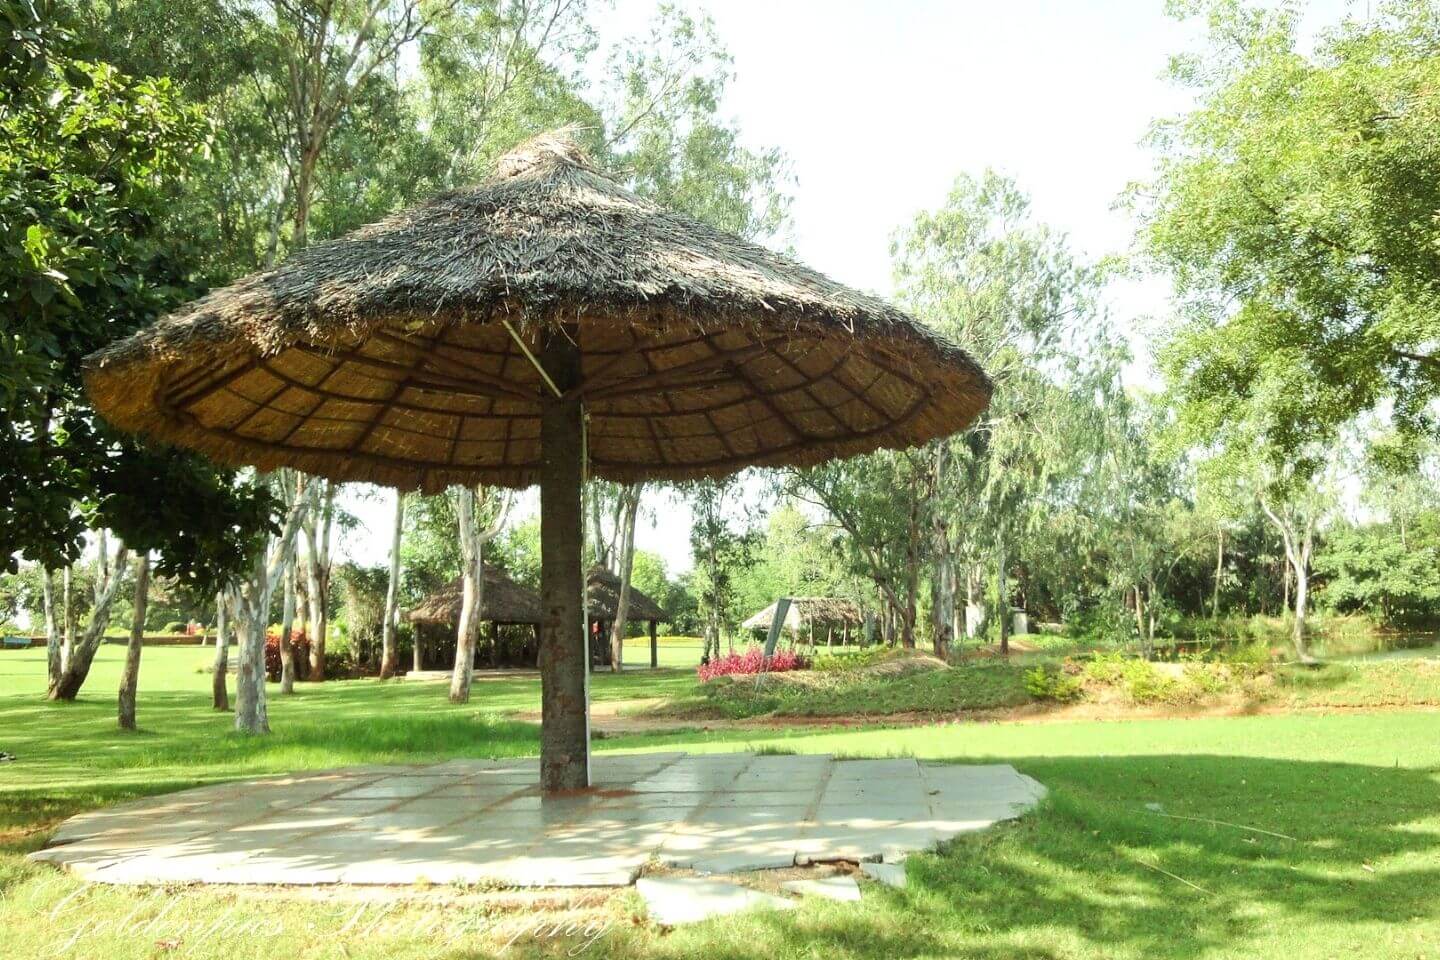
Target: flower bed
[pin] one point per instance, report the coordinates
(751, 662)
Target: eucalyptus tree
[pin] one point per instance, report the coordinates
(389, 645)
(481, 512)
(317, 520)
(982, 272)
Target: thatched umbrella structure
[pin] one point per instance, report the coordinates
(806, 613)
(504, 603)
(602, 601)
(473, 337)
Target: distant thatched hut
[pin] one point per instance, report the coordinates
(811, 617)
(602, 596)
(511, 610)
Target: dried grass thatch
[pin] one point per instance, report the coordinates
(504, 602)
(817, 611)
(382, 356)
(602, 596)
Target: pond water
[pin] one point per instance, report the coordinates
(1417, 645)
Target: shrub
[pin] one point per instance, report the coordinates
(1043, 684)
(174, 626)
(854, 660)
(298, 641)
(751, 662)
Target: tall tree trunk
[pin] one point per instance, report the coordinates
(1219, 573)
(130, 678)
(1003, 581)
(287, 629)
(219, 697)
(471, 578)
(564, 648)
(107, 584)
(318, 524)
(627, 563)
(389, 644)
(1302, 592)
(67, 610)
(974, 600)
(252, 616)
(52, 629)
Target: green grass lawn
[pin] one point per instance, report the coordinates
(1095, 873)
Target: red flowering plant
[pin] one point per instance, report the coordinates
(272, 652)
(751, 662)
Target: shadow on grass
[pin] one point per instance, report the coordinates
(1095, 873)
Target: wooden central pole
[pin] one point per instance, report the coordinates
(564, 721)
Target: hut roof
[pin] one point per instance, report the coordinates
(602, 595)
(809, 610)
(384, 355)
(504, 601)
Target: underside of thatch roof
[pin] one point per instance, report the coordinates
(830, 611)
(385, 355)
(504, 601)
(602, 596)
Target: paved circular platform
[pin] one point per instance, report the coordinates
(484, 821)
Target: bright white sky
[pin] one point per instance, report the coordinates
(880, 104)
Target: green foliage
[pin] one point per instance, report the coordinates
(1046, 684)
(174, 626)
(1370, 568)
(853, 659)
(87, 155)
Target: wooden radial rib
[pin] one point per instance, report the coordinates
(443, 403)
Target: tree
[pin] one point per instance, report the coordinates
(1294, 208)
(1008, 290)
(130, 676)
(88, 157)
(390, 653)
(719, 550)
(481, 514)
(624, 566)
(318, 523)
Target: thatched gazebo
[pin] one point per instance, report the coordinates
(504, 603)
(545, 324)
(602, 599)
(829, 614)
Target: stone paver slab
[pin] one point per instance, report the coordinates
(672, 901)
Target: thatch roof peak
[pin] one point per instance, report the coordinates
(552, 146)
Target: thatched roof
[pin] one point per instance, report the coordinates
(382, 356)
(602, 595)
(803, 610)
(504, 601)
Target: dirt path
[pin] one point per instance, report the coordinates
(617, 717)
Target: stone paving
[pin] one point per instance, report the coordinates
(484, 821)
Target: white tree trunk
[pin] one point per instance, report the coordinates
(631, 510)
(319, 520)
(287, 628)
(219, 697)
(252, 615)
(130, 676)
(389, 643)
(52, 629)
(472, 580)
(82, 653)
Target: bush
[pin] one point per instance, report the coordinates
(174, 626)
(751, 662)
(298, 642)
(838, 662)
(1043, 684)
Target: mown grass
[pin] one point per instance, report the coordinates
(1108, 868)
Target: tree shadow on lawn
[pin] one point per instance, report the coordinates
(1084, 874)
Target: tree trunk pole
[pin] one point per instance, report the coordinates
(220, 699)
(287, 628)
(130, 679)
(654, 646)
(389, 643)
(564, 657)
